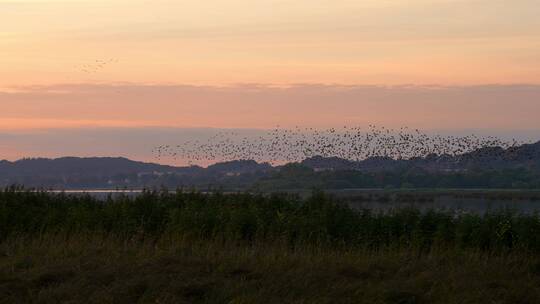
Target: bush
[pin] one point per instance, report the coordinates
(244, 217)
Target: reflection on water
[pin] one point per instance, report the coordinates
(447, 203)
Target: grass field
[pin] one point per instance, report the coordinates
(98, 270)
(244, 248)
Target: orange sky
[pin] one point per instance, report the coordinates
(434, 64)
(509, 107)
(270, 41)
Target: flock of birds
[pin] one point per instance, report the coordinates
(96, 65)
(280, 145)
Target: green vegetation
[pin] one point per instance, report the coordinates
(297, 176)
(191, 247)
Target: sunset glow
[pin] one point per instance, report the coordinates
(224, 42)
(257, 64)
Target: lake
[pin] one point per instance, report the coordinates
(477, 201)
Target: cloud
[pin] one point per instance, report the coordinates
(217, 42)
(131, 119)
(265, 106)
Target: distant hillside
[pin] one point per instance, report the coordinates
(328, 163)
(431, 171)
(238, 167)
(525, 156)
(93, 166)
(108, 172)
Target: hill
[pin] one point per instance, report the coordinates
(484, 168)
(93, 166)
(109, 172)
(495, 158)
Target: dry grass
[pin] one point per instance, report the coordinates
(55, 269)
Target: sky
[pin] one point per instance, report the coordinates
(118, 67)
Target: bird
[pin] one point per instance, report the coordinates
(96, 65)
(353, 143)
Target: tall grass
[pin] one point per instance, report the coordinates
(94, 269)
(190, 247)
(319, 220)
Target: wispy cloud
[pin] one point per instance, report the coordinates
(264, 106)
(217, 42)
